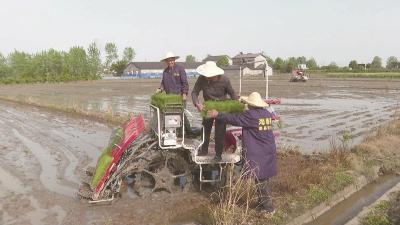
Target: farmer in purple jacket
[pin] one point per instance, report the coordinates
(258, 143)
(174, 79)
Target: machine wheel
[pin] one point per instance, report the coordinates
(162, 175)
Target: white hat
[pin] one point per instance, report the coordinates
(209, 69)
(254, 99)
(170, 55)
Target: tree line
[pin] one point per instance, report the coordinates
(287, 65)
(52, 65)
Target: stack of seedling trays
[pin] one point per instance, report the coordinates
(228, 106)
(167, 103)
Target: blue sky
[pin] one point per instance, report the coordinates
(327, 30)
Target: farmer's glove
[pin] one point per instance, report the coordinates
(158, 90)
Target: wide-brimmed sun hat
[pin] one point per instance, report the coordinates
(254, 99)
(209, 69)
(169, 55)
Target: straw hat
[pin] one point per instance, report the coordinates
(209, 69)
(169, 55)
(254, 99)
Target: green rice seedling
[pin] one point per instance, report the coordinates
(162, 100)
(102, 164)
(115, 139)
(229, 106)
(105, 159)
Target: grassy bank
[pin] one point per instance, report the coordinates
(386, 212)
(305, 181)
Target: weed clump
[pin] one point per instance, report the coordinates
(378, 215)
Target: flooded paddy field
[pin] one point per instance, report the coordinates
(42, 156)
(43, 153)
(313, 113)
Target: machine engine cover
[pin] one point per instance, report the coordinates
(172, 121)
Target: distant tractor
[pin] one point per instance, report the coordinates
(299, 74)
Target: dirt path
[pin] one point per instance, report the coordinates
(42, 155)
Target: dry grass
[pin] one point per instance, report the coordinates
(381, 148)
(302, 182)
(233, 202)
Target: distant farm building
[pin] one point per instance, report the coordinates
(215, 58)
(251, 64)
(155, 69)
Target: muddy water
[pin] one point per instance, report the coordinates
(312, 124)
(48, 163)
(350, 207)
(40, 171)
(42, 158)
(313, 113)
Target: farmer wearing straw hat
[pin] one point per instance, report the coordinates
(174, 79)
(258, 143)
(216, 87)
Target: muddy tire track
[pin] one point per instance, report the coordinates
(42, 155)
(39, 170)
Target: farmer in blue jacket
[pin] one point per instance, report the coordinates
(174, 81)
(258, 144)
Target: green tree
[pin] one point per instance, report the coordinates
(223, 62)
(392, 63)
(129, 54)
(48, 66)
(376, 63)
(333, 66)
(20, 64)
(118, 67)
(111, 54)
(301, 60)
(312, 64)
(353, 64)
(4, 69)
(77, 64)
(94, 59)
(270, 61)
(3, 60)
(190, 58)
(290, 64)
(278, 64)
